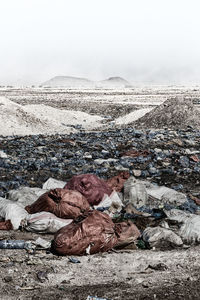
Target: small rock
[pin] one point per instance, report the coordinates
(8, 278)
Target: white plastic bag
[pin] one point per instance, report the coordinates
(44, 222)
(189, 229)
(25, 195)
(143, 193)
(155, 235)
(52, 183)
(112, 202)
(10, 210)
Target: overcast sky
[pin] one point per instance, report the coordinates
(141, 40)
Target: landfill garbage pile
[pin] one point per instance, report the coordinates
(133, 179)
(174, 113)
(166, 157)
(62, 203)
(138, 213)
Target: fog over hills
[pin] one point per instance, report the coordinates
(76, 82)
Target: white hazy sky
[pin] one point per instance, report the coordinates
(141, 40)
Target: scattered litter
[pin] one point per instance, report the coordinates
(25, 195)
(52, 183)
(44, 222)
(63, 203)
(9, 210)
(189, 225)
(42, 276)
(96, 230)
(161, 237)
(73, 260)
(117, 182)
(143, 193)
(158, 267)
(112, 203)
(15, 244)
(90, 186)
(41, 243)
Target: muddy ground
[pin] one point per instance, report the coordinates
(124, 274)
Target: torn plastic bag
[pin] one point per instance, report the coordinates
(61, 202)
(90, 186)
(95, 233)
(52, 183)
(159, 237)
(165, 195)
(25, 196)
(9, 210)
(143, 193)
(117, 182)
(44, 222)
(189, 225)
(135, 193)
(127, 233)
(111, 203)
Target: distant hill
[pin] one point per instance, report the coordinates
(75, 82)
(115, 81)
(68, 81)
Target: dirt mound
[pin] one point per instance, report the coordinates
(173, 113)
(16, 119)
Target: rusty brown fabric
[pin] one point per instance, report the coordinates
(90, 186)
(127, 233)
(96, 233)
(61, 202)
(6, 225)
(117, 182)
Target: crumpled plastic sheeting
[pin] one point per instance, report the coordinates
(44, 222)
(117, 182)
(9, 210)
(156, 235)
(25, 195)
(90, 186)
(62, 203)
(143, 193)
(189, 229)
(111, 204)
(96, 233)
(52, 183)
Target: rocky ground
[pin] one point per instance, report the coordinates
(165, 156)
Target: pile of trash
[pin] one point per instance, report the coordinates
(90, 215)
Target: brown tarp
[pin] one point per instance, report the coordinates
(117, 182)
(61, 202)
(95, 233)
(90, 186)
(6, 225)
